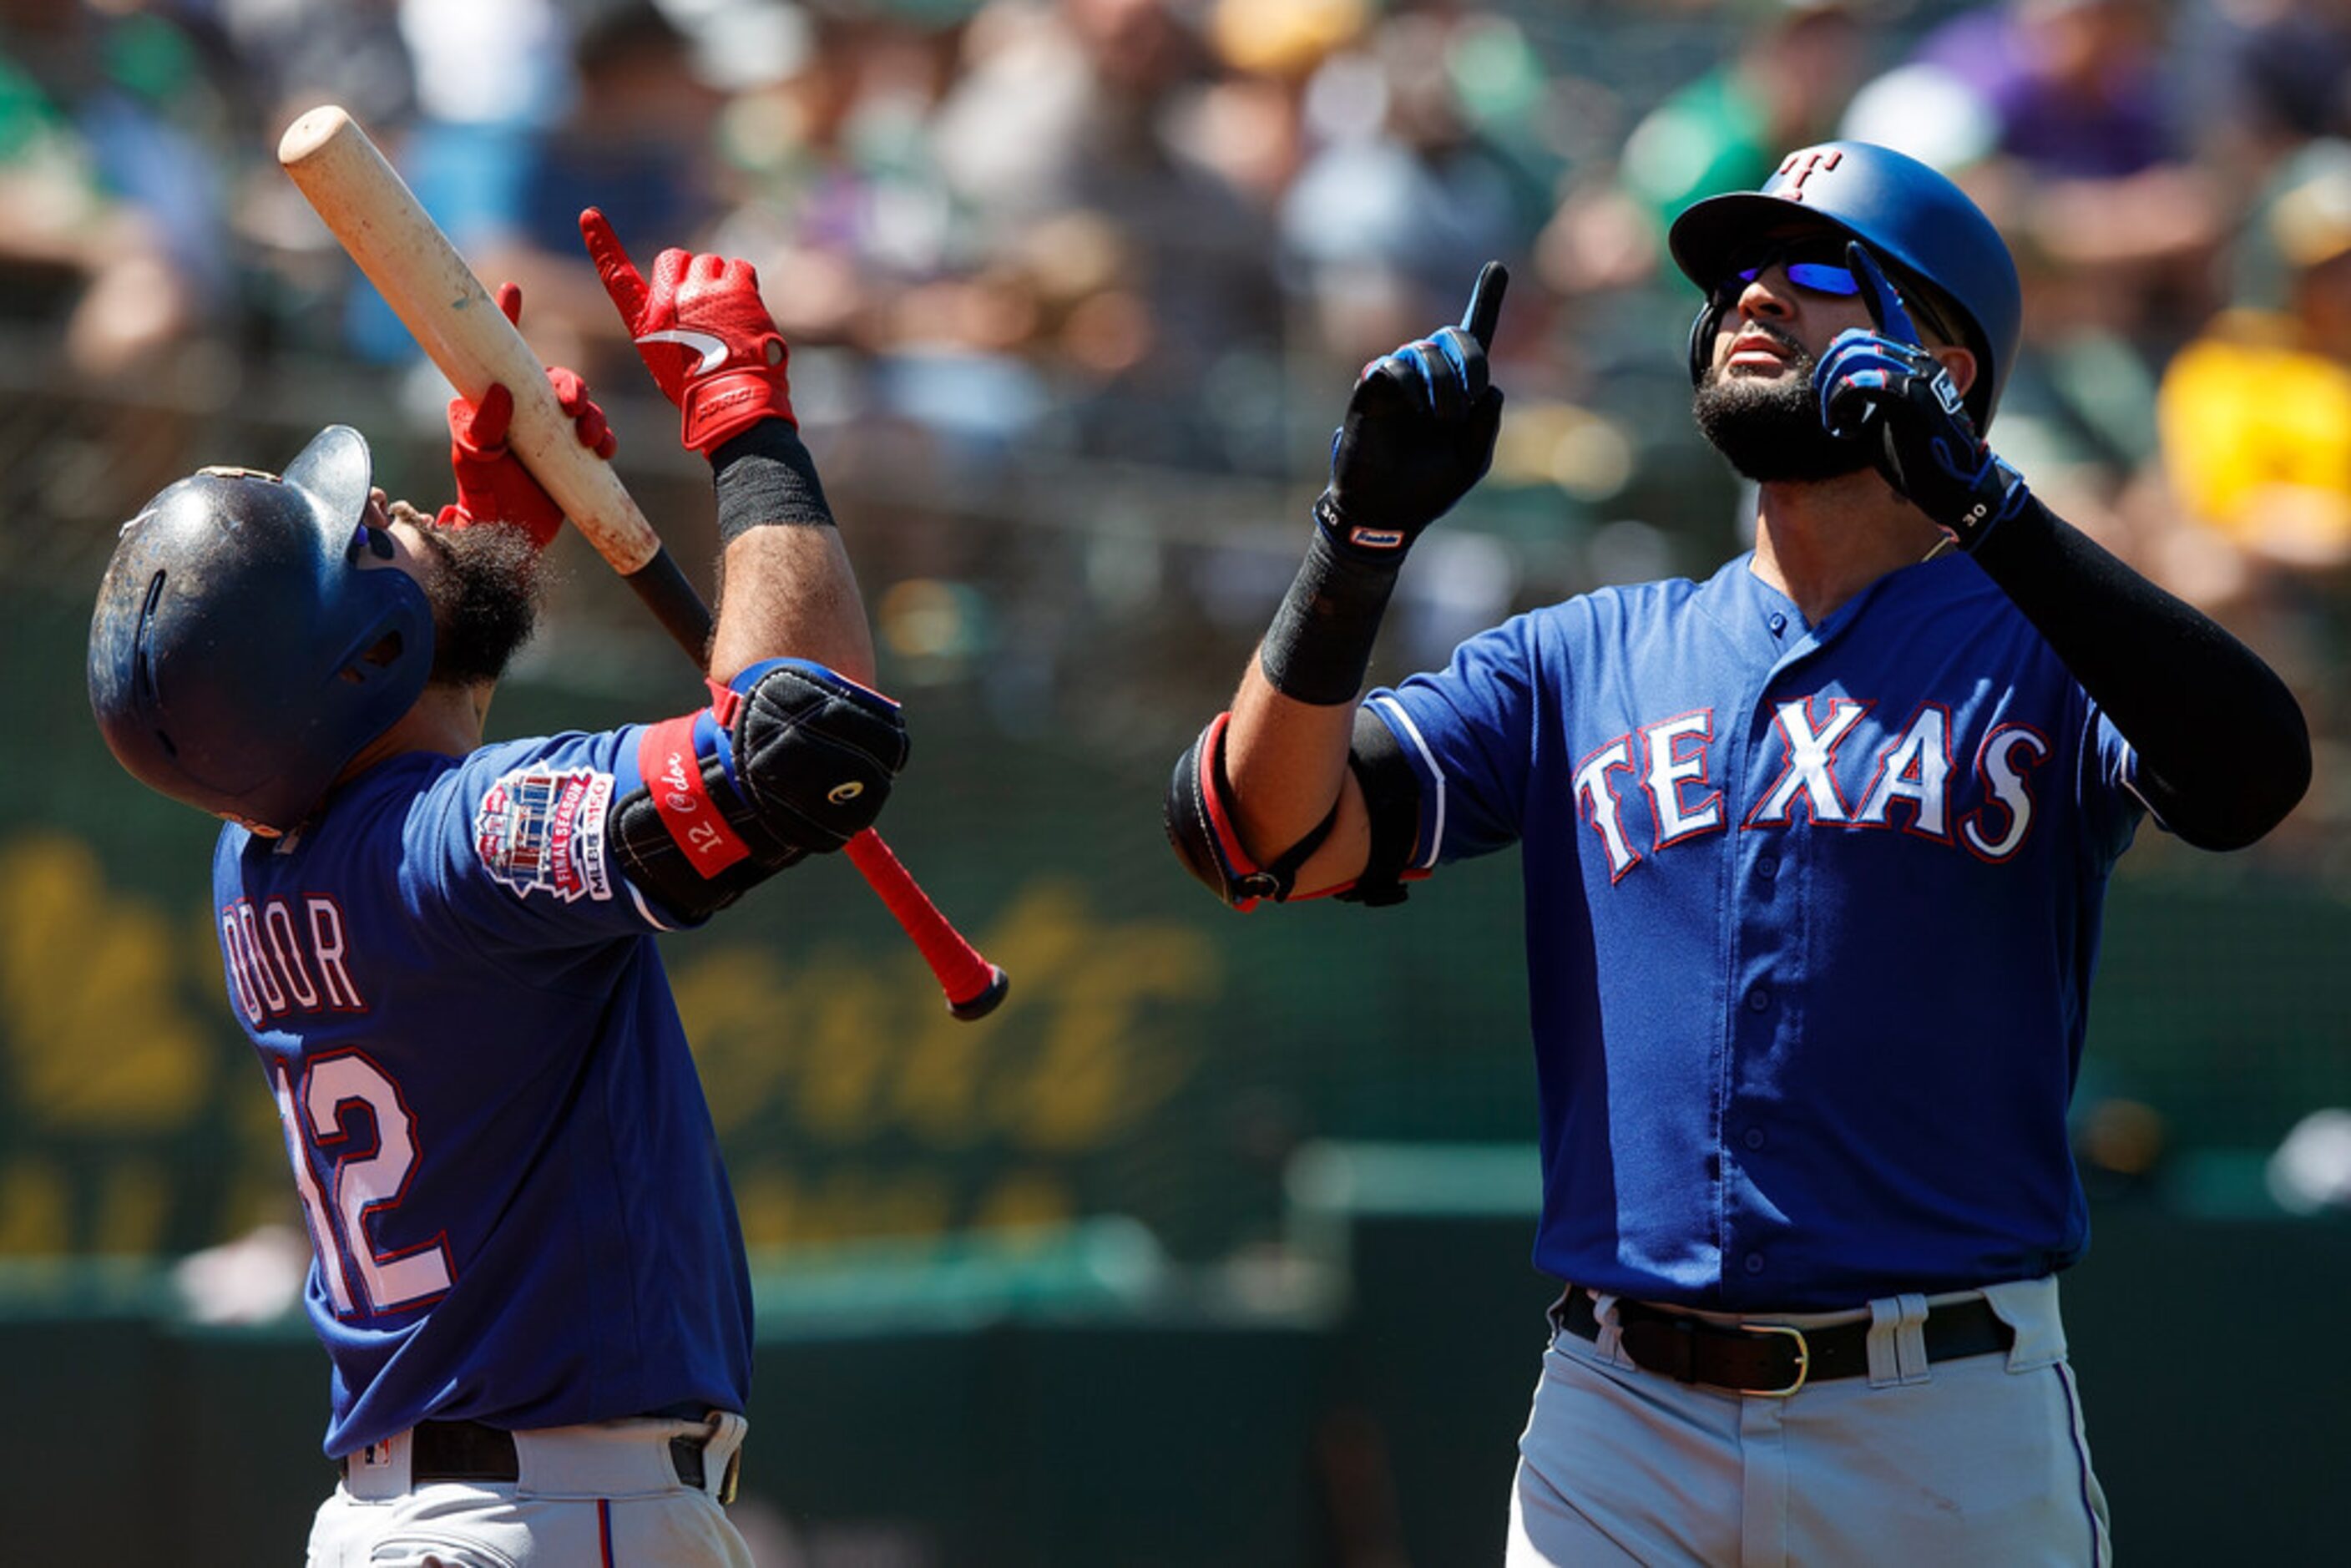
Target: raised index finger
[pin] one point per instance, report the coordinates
(1885, 307)
(1486, 303)
(621, 278)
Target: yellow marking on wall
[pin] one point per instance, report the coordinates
(778, 1208)
(1023, 1199)
(844, 1050)
(35, 1210)
(134, 1199)
(96, 1034)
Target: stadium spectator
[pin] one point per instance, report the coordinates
(1401, 194)
(1783, 84)
(1065, 114)
(2256, 419)
(634, 142)
(2060, 117)
(112, 171)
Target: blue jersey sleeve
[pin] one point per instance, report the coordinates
(1471, 732)
(2110, 798)
(514, 844)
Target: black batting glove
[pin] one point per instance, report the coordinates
(1418, 433)
(1884, 389)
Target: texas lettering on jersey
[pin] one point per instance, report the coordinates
(1832, 771)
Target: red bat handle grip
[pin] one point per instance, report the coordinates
(973, 985)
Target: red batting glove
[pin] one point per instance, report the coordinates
(492, 484)
(702, 330)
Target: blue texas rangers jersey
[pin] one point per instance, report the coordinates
(499, 1138)
(1810, 917)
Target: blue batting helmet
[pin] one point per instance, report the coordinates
(1922, 227)
(239, 657)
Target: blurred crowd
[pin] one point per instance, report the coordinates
(1166, 232)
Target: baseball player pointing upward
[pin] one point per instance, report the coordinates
(1814, 854)
(528, 1275)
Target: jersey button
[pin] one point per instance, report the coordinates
(1754, 1138)
(1755, 1262)
(1758, 999)
(1777, 623)
(1767, 866)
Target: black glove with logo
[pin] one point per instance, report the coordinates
(1886, 389)
(1419, 434)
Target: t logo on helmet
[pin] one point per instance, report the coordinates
(1799, 167)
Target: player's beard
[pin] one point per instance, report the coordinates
(485, 597)
(1769, 429)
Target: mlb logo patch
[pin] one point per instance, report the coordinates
(541, 829)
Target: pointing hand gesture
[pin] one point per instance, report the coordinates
(701, 329)
(1419, 432)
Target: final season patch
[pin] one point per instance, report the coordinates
(543, 829)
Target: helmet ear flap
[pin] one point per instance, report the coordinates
(1703, 326)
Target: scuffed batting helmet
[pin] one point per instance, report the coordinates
(239, 656)
(1922, 227)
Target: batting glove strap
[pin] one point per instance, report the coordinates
(1320, 644)
(1900, 401)
(715, 409)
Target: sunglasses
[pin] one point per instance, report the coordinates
(1819, 276)
(1830, 278)
(1805, 269)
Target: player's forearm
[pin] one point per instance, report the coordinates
(2223, 751)
(788, 588)
(1287, 763)
(791, 592)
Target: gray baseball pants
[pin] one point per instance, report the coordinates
(1963, 1462)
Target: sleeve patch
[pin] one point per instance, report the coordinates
(541, 829)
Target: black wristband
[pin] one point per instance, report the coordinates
(765, 476)
(1320, 643)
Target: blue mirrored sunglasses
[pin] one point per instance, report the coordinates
(1819, 276)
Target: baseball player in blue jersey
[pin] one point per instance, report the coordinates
(529, 1277)
(1814, 852)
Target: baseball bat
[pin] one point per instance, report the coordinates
(380, 222)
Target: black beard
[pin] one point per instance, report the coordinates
(1770, 431)
(485, 600)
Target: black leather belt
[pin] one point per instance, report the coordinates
(469, 1451)
(1774, 1359)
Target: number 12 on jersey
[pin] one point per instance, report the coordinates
(323, 1129)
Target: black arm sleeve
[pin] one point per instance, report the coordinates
(1391, 802)
(2223, 753)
